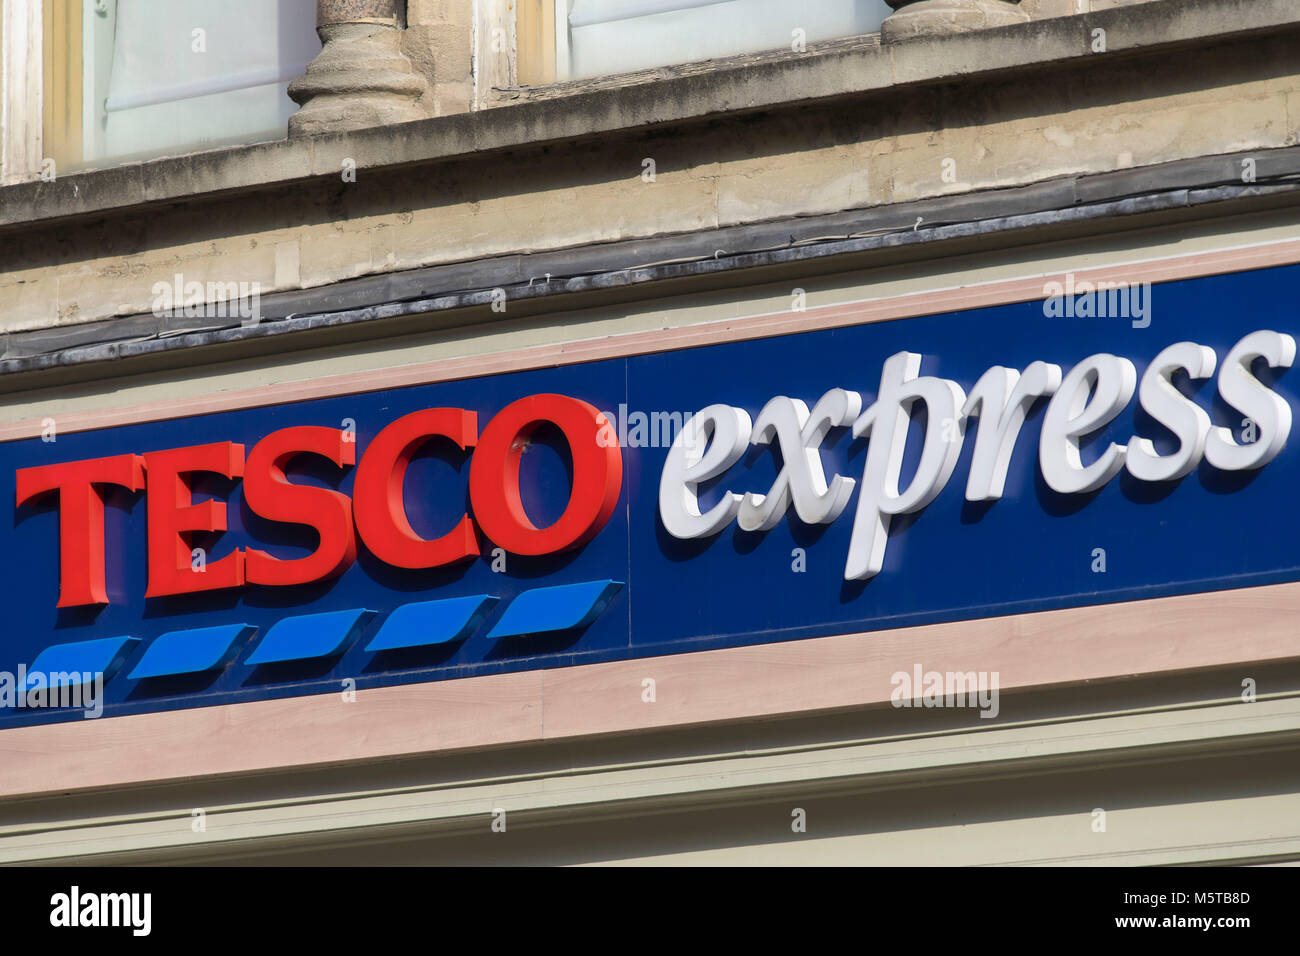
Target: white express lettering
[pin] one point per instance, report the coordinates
(887, 421)
(1002, 397)
(800, 434)
(1168, 406)
(1086, 400)
(1095, 391)
(712, 441)
(1250, 397)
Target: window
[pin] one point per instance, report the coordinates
(574, 39)
(119, 80)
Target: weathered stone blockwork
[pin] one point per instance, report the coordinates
(439, 42)
(906, 139)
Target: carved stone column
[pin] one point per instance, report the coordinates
(915, 18)
(360, 78)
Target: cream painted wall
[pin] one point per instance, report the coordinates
(1182, 777)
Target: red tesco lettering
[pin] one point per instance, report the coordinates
(375, 514)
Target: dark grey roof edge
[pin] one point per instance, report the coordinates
(523, 277)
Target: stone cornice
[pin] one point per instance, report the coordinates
(840, 70)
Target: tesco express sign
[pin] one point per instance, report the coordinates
(713, 441)
(1088, 398)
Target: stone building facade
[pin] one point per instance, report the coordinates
(450, 199)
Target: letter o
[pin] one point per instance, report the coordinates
(494, 475)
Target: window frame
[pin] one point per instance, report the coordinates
(32, 62)
(539, 50)
(536, 32)
(62, 119)
(22, 118)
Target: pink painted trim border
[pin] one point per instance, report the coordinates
(663, 340)
(1045, 648)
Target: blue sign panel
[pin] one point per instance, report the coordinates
(678, 558)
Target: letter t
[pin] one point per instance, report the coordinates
(81, 517)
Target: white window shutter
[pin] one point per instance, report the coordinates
(164, 95)
(620, 36)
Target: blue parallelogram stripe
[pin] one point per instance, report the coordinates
(558, 608)
(432, 622)
(193, 651)
(309, 636)
(102, 656)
